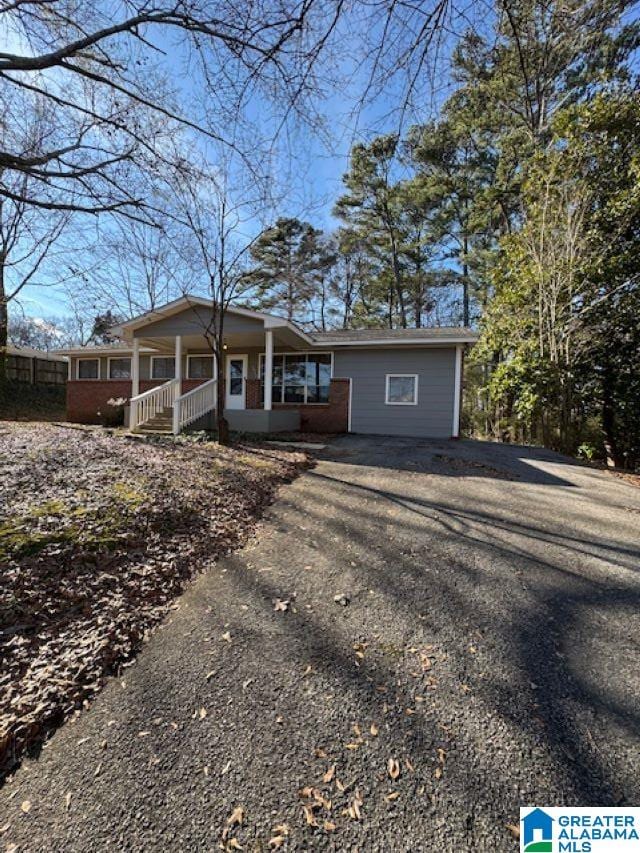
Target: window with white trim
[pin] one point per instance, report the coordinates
(119, 368)
(401, 389)
(163, 367)
(299, 377)
(200, 366)
(88, 368)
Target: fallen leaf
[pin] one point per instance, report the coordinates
(441, 755)
(227, 636)
(392, 796)
(4, 828)
(210, 675)
(202, 713)
(309, 815)
(67, 800)
(320, 753)
(329, 826)
(354, 809)
(352, 745)
(26, 806)
(276, 842)
(331, 772)
(357, 731)
(514, 829)
(280, 605)
(143, 734)
(236, 816)
(225, 769)
(342, 788)
(307, 671)
(374, 730)
(233, 844)
(281, 829)
(409, 765)
(438, 773)
(393, 768)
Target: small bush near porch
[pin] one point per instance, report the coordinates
(98, 535)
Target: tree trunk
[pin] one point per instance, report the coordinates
(4, 327)
(222, 424)
(465, 284)
(614, 458)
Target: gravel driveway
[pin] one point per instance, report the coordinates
(487, 658)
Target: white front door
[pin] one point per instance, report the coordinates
(235, 381)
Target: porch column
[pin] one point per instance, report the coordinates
(178, 373)
(268, 368)
(135, 368)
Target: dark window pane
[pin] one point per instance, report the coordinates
(318, 394)
(277, 368)
(294, 369)
(200, 367)
(163, 368)
(318, 369)
(294, 378)
(294, 393)
(88, 368)
(120, 368)
(236, 375)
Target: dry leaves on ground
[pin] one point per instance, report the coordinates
(98, 535)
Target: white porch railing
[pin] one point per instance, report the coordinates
(193, 405)
(146, 406)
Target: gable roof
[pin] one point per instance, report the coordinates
(439, 334)
(270, 321)
(178, 305)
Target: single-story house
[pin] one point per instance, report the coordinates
(277, 376)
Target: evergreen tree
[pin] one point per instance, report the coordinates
(372, 209)
(286, 258)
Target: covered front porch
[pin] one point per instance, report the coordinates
(172, 357)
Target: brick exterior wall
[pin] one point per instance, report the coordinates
(87, 397)
(324, 417)
(253, 394)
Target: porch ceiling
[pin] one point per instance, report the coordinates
(282, 338)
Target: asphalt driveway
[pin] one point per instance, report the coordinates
(484, 656)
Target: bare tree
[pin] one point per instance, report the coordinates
(221, 218)
(137, 267)
(28, 238)
(102, 66)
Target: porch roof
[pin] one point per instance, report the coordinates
(154, 328)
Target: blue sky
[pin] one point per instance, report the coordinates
(319, 163)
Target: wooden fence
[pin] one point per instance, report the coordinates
(36, 370)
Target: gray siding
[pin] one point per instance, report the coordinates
(194, 321)
(367, 369)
